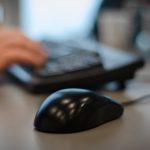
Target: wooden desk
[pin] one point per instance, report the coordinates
(131, 132)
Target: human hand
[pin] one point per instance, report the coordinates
(15, 47)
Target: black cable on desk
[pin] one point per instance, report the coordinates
(135, 101)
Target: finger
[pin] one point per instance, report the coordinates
(11, 50)
(22, 42)
(7, 32)
(36, 46)
(9, 47)
(14, 57)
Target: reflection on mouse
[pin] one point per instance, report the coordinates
(74, 110)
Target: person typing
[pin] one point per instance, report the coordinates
(15, 47)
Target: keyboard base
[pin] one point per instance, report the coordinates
(119, 67)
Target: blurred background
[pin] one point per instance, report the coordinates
(123, 24)
(51, 19)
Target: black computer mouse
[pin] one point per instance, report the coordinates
(75, 110)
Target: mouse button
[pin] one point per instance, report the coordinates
(106, 100)
(69, 110)
(97, 101)
(52, 118)
(114, 102)
(53, 103)
(66, 110)
(83, 104)
(73, 109)
(86, 99)
(50, 100)
(103, 115)
(75, 101)
(84, 109)
(52, 109)
(110, 112)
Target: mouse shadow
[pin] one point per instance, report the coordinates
(70, 140)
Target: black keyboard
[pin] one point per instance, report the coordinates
(77, 65)
(79, 60)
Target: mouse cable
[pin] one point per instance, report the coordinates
(135, 101)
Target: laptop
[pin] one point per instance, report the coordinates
(76, 60)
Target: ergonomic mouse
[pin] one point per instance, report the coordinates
(75, 110)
